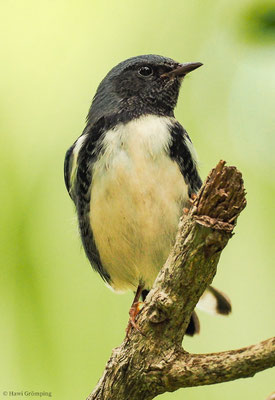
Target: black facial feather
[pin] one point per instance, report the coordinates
(127, 94)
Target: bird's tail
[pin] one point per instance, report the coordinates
(212, 301)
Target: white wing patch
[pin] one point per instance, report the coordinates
(76, 150)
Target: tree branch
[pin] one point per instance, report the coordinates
(145, 366)
(207, 369)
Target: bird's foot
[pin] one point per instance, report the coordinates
(191, 200)
(133, 312)
(193, 197)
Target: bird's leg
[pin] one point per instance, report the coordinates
(134, 310)
(193, 197)
(191, 201)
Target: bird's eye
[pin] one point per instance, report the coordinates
(145, 71)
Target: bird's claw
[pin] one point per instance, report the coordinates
(193, 197)
(133, 312)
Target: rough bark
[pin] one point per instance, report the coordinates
(146, 366)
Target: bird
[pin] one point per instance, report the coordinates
(131, 173)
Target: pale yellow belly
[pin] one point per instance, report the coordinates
(135, 210)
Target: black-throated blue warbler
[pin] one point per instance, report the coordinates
(131, 173)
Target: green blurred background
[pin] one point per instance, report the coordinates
(58, 320)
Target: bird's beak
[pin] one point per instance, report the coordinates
(182, 70)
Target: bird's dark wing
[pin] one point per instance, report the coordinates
(181, 152)
(80, 189)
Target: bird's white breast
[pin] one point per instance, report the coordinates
(137, 196)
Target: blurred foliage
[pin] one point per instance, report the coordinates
(58, 320)
(259, 22)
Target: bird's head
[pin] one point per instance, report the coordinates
(147, 84)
